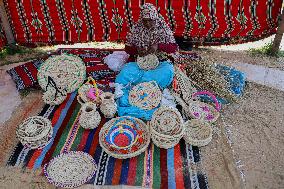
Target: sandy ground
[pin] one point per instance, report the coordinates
(229, 58)
(246, 150)
(250, 45)
(255, 127)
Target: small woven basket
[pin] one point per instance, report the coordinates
(203, 111)
(197, 132)
(90, 118)
(86, 89)
(148, 62)
(166, 127)
(108, 106)
(196, 109)
(35, 132)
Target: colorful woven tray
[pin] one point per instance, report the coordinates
(70, 169)
(124, 137)
(68, 72)
(145, 95)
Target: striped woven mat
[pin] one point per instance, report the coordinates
(155, 168)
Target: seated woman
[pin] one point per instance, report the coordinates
(150, 35)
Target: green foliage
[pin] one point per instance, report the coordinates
(21, 54)
(12, 50)
(266, 50)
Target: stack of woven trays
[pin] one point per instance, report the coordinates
(35, 132)
(166, 127)
(124, 137)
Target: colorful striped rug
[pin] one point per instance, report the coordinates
(156, 168)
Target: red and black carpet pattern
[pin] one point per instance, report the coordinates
(209, 22)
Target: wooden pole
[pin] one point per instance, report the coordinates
(6, 26)
(279, 34)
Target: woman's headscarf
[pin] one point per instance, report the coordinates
(142, 37)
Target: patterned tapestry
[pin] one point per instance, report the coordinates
(210, 22)
(3, 40)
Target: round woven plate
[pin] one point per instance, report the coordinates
(197, 132)
(124, 137)
(35, 132)
(70, 169)
(67, 71)
(145, 95)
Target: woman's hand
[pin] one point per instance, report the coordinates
(153, 49)
(150, 50)
(141, 51)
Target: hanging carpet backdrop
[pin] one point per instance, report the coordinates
(211, 22)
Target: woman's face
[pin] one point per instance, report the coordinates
(148, 23)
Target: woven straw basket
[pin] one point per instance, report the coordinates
(148, 62)
(35, 132)
(196, 109)
(197, 132)
(146, 95)
(196, 112)
(166, 127)
(90, 118)
(85, 89)
(70, 169)
(108, 106)
(135, 129)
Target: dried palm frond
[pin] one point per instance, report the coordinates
(207, 77)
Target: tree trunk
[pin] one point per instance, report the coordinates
(6, 26)
(279, 35)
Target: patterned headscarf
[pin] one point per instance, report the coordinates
(142, 37)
